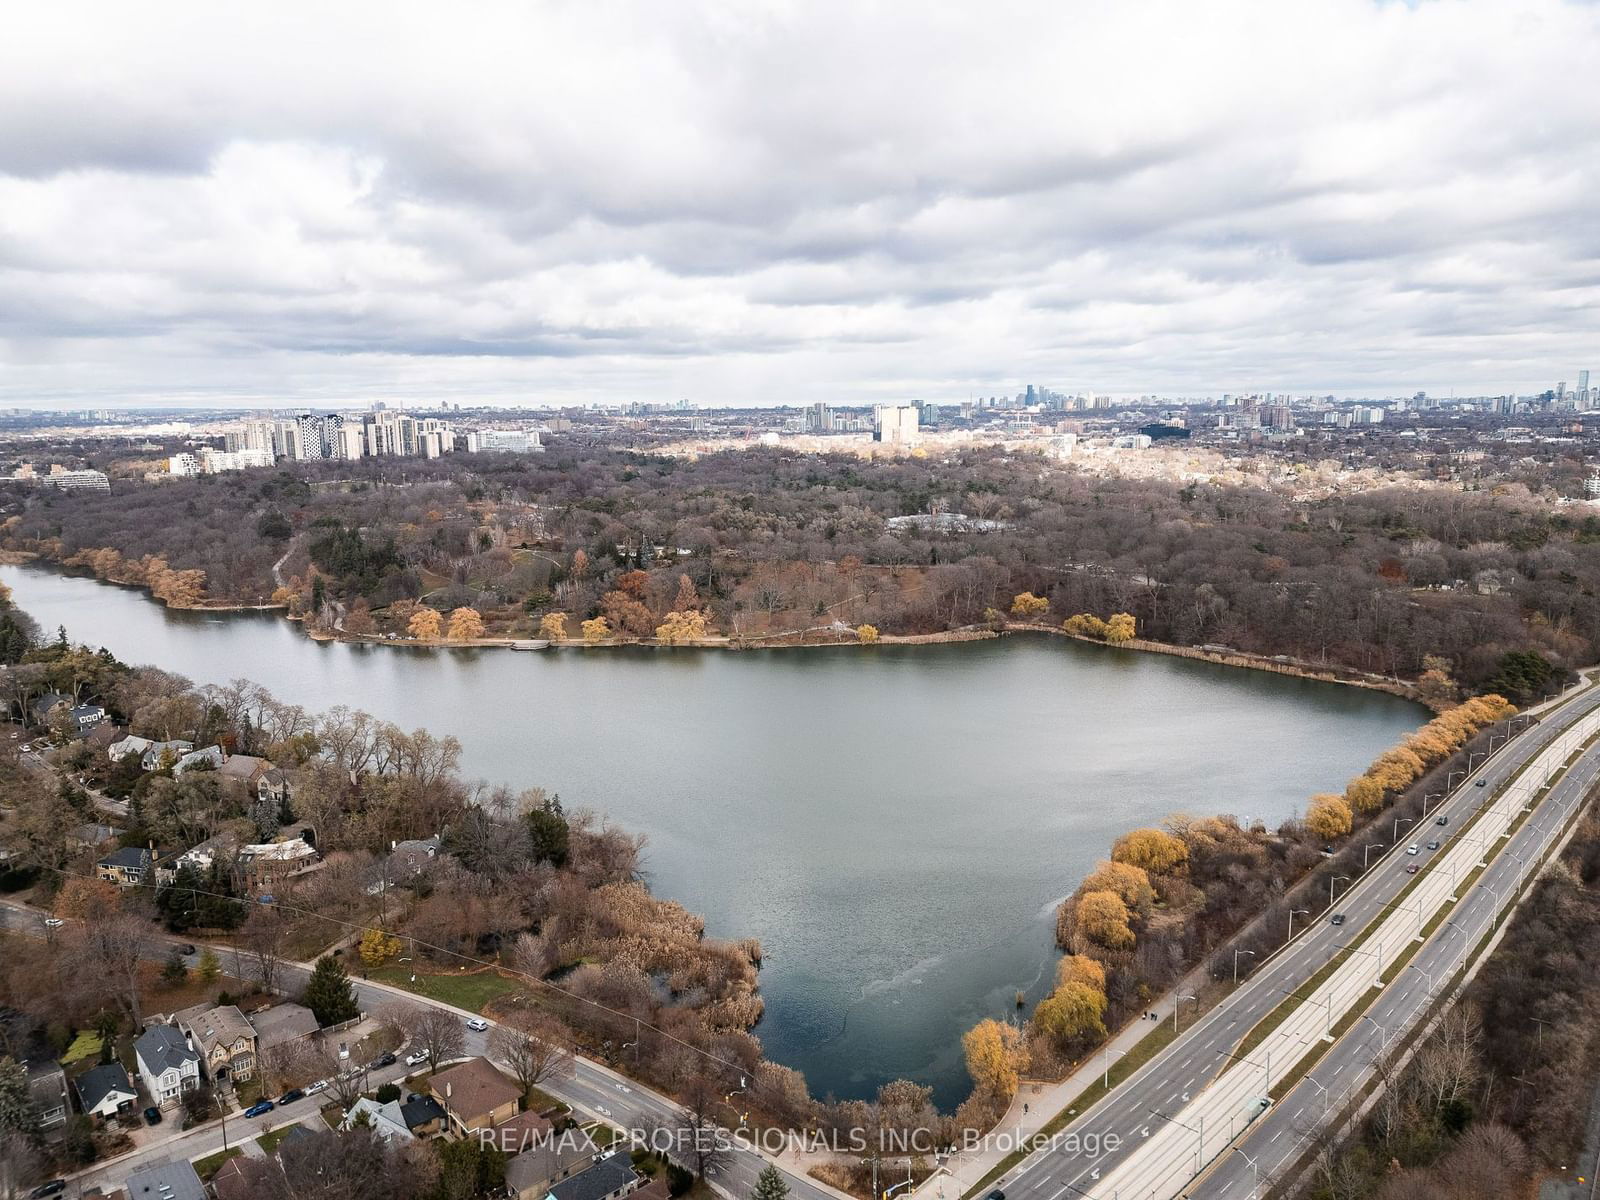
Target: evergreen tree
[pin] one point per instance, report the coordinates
(328, 993)
(770, 1185)
(16, 1105)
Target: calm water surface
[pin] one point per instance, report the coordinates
(894, 824)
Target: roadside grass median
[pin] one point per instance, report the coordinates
(468, 990)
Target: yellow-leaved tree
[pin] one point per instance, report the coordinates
(1328, 816)
(1129, 882)
(1121, 627)
(553, 626)
(1027, 606)
(596, 630)
(1363, 794)
(425, 624)
(465, 625)
(1102, 917)
(996, 1057)
(1152, 850)
(678, 627)
(1085, 625)
(1072, 1014)
(866, 634)
(378, 947)
(1080, 968)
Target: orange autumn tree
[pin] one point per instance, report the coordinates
(425, 624)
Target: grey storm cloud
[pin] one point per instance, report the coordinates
(756, 203)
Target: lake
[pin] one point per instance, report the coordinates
(895, 823)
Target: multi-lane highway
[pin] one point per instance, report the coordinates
(1185, 1111)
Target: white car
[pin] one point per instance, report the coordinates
(53, 922)
(477, 1024)
(1412, 850)
(417, 1059)
(320, 1085)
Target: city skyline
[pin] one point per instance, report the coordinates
(611, 203)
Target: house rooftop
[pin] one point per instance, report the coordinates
(94, 1086)
(163, 1048)
(610, 1174)
(473, 1088)
(165, 1181)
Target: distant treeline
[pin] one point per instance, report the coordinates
(774, 541)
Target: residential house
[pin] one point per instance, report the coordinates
(385, 1120)
(531, 1174)
(211, 757)
(127, 867)
(168, 1065)
(522, 1132)
(476, 1095)
(266, 863)
(406, 860)
(275, 786)
(105, 1091)
(246, 1178)
(163, 754)
(131, 744)
(47, 1091)
(281, 1025)
(93, 836)
(85, 717)
(245, 769)
(423, 1116)
(165, 1181)
(200, 857)
(609, 1179)
(42, 708)
(226, 1041)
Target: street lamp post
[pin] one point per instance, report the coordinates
(1109, 1060)
(1304, 912)
(1367, 850)
(1255, 1191)
(1236, 954)
(1333, 881)
(1384, 1032)
(1399, 821)
(1179, 1005)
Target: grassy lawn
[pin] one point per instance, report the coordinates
(269, 1141)
(85, 1045)
(541, 1101)
(212, 1163)
(469, 991)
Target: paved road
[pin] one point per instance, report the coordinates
(1145, 1110)
(592, 1089)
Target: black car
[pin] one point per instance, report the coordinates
(386, 1059)
(290, 1097)
(152, 1115)
(188, 948)
(1442, 821)
(1337, 919)
(997, 1194)
(54, 1188)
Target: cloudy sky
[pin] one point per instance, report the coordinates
(738, 202)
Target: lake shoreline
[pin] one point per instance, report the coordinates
(1278, 665)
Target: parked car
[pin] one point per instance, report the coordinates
(477, 1024)
(188, 948)
(1433, 845)
(1336, 919)
(386, 1059)
(417, 1059)
(53, 922)
(290, 1097)
(1413, 849)
(54, 1188)
(260, 1110)
(1442, 821)
(320, 1085)
(152, 1115)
